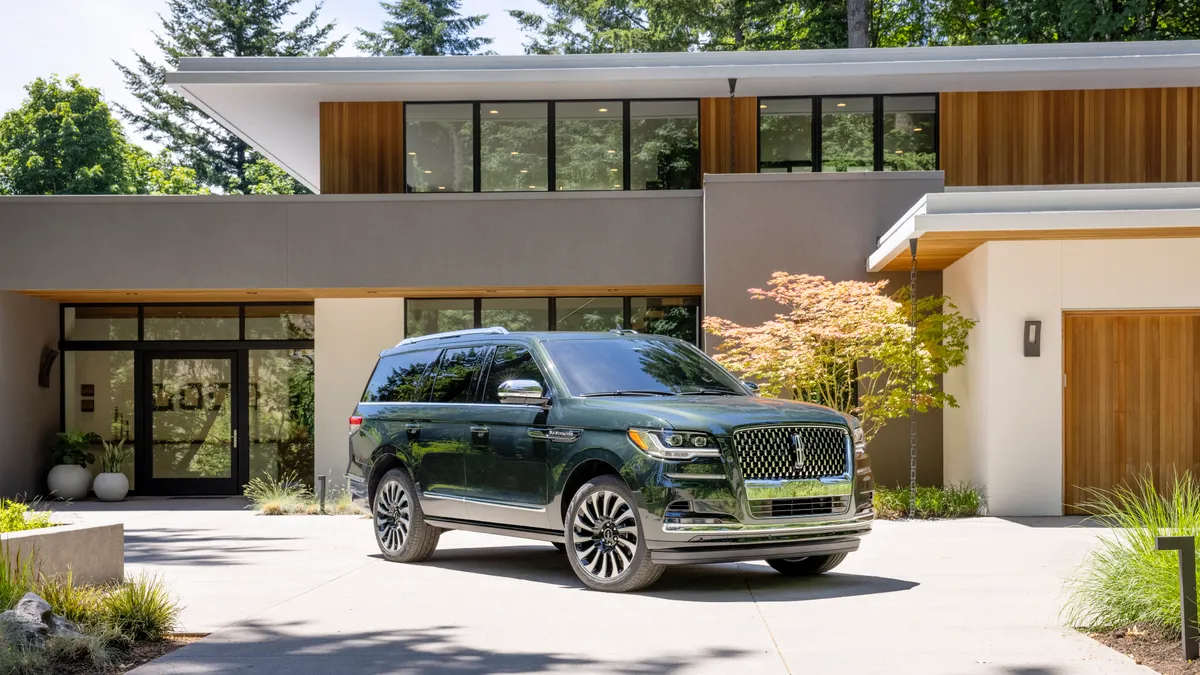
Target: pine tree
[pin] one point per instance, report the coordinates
(215, 28)
(424, 28)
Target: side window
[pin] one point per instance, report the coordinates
(458, 371)
(511, 362)
(397, 377)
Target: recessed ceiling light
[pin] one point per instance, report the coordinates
(532, 187)
(613, 170)
(413, 154)
(604, 110)
(493, 112)
(916, 128)
(842, 104)
(616, 185)
(251, 292)
(612, 152)
(899, 152)
(428, 171)
(762, 105)
(524, 170)
(441, 187)
(514, 152)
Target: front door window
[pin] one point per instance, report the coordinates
(192, 424)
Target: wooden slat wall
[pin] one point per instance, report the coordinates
(1071, 137)
(714, 135)
(362, 147)
(1131, 404)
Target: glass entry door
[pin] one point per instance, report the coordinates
(191, 423)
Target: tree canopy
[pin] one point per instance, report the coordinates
(219, 157)
(424, 28)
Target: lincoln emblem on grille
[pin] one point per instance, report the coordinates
(798, 446)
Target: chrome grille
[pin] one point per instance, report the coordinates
(803, 506)
(772, 453)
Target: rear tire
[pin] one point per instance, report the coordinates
(807, 567)
(605, 543)
(400, 528)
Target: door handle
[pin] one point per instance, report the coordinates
(479, 431)
(413, 429)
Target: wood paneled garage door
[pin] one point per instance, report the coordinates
(1131, 401)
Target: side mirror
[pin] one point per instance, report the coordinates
(750, 385)
(527, 392)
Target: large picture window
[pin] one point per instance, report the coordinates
(589, 146)
(513, 147)
(439, 141)
(848, 133)
(664, 145)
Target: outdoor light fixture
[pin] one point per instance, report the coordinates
(1033, 338)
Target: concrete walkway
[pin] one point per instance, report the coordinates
(301, 594)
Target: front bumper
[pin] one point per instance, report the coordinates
(733, 542)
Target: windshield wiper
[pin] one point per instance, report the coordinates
(629, 392)
(709, 392)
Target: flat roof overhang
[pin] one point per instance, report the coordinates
(948, 226)
(272, 103)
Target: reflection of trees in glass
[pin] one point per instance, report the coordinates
(588, 154)
(456, 375)
(678, 321)
(523, 314)
(785, 141)
(425, 321)
(679, 368)
(589, 314)
(664, 152)
(513, 150)
(908, 140)
(403, 376)
(510, 362)
(192, 436)
(282, 413)
(443, 149)
(847, 141)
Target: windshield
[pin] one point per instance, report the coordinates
(625, 367)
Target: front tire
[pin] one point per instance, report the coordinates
(400, 528)
(807, 567)
(605, 543)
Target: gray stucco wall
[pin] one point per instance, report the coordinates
(28, 413)
(350, 241)
(825, 224)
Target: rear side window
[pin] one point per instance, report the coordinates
(397, 377)
(511, 362)
(458, 372)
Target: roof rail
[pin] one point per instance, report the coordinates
(622, 331)
(494, 330)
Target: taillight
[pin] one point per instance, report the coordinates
(355, 423)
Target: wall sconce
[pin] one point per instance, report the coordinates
(1033, 338)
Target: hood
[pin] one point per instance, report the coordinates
(717, 415)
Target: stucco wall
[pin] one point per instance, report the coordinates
(350, 333)
(28, 413)
(1016, 401)
(822, 223)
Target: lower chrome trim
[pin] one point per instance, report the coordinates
(697, 476)
(859, 523)
(495, 528)
(484, 502)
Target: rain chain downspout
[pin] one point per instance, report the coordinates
(912, 397)
(732, 127)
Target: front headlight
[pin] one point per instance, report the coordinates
(860, 440)
(675, 445)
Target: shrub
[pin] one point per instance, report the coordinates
(15, 581)
(1125, 580)
(142, 609)
(16, 516)
(952, 501)
(278, 496)
(79, 603)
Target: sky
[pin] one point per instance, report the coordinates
(42, 37)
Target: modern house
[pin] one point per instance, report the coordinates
(1050, 189)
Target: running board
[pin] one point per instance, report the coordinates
(493, 528)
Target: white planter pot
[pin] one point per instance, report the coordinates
(111, 487)
(69, 481)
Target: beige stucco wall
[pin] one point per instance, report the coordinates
(94, 554)
(350, 333)
(28, 413)
(1008, 432)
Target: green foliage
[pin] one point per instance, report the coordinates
(74, 447)
(142, 610)
(160, 175)
(1125, 580)
(15, 517)
(218, 157)
(952, 501)
(115, 454)
(62, 140)
(424, 28)
(80, 603)
(264, 178)
(278, 496)
(15, 580)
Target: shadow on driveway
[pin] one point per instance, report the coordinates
(180, 546)
(700, 583)
(265, 649)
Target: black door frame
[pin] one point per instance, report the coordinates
(145, 481)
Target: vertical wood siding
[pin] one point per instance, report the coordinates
(362, 147)
(714, 135)
(1131, 404)
(1071, 137)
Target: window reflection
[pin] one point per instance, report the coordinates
(514, 141)
(664, 145)
(100, 323)
(677, 317)
(99, 398)
(909, 130)
(438, 140)
(589, 145)
(516, 314)
(589, 314)
(438, 316)
(785, 135)
(282, 413)
(192, 322)
(848, 134)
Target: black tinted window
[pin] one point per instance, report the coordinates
(457, 374)
(511, 362)
(622, 364)
(397, 377)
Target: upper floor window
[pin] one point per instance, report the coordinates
(664, 145)
(589, 145)
(513, 146)
(438, 138)
(848, 133)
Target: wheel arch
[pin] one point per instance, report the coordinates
(386, 459)
(587, 468)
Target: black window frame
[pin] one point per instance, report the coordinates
(551, 146)
(481, 394)
(876, 131)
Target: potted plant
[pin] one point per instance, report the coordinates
(112, 484)
(70, 479)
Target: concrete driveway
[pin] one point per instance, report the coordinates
(300, 594)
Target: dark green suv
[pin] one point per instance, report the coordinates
(629, 452)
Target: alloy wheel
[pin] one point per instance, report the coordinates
(605, 535)
(393, 515)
